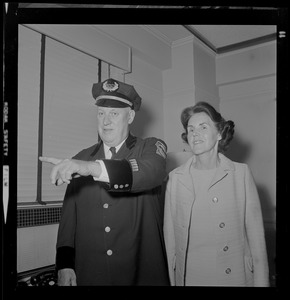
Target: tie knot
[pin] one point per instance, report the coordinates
(113, 150)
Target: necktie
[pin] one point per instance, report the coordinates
(113, 150)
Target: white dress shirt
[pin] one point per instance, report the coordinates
(104, 177)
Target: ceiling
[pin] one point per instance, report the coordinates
(219, 38)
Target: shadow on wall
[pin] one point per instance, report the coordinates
(143, 117)
(238, 150)
(270, 230)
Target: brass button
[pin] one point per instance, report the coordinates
(228, 270)
(226, 248)
(109, 252)
(215, 200)
(106, 205)
(107, 229)
(222, 225)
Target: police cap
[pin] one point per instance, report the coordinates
(114, 93)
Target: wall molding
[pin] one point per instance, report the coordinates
(265, 85)
(163, 38)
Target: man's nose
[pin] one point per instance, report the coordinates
(107, 120)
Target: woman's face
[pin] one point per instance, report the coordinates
(202, 134)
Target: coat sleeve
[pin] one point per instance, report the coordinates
(144, 170)
(168, 230)
(255, 232)
(65, 252)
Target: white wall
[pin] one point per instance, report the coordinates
(179, 92)
(247, 87)
(36, 247)
(247, 63)
(205, 75)
(147, 80)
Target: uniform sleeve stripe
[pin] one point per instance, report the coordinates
(134, 165)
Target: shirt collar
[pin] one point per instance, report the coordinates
(107, 148)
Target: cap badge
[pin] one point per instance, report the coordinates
(110, 85)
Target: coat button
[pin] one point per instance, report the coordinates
(228, 270)
(106, 205)
(226, 248)
(116, 186)
(107, 229)
(215, 200)
(109, 252)
(222, 225)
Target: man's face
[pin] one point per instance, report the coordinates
(113, 124)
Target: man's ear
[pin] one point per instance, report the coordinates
(131, 116)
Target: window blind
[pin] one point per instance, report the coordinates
(29, 45)
(69, 120)
(69, 110)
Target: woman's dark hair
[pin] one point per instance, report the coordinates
(225, 128)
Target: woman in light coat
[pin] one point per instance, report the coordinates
(213, 226)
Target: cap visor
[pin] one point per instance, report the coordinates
(111, 103)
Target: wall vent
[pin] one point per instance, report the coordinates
(30, 217)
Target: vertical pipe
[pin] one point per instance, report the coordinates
(40, 122)
(99, 70)
(99, 80)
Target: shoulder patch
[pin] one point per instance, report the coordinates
(160, 149)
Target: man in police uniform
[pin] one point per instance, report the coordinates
(110, 231)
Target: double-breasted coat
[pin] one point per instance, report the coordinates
(112, 234)
(237, 221)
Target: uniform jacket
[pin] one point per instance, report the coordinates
(111, 234)
(236, 211)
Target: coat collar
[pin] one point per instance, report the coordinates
(131, 141)
(183, 172)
